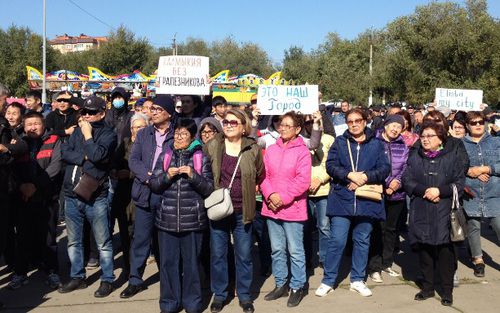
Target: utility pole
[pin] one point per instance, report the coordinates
(370, 98)
(44, 56)
(174, 46)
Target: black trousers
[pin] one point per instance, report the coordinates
(385, 236)
(441, 258)
(119, 204)
(35, 233)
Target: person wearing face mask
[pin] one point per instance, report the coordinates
(118, 116)
(385, 234)
(35, 217)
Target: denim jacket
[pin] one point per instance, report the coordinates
(486, 202)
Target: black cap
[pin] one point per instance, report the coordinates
(76, 101)
(166, 102)
(94, 103)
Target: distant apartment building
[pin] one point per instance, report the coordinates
(68, 44)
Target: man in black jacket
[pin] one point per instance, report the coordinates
(88, 155)
(64, 119)
(35, 217)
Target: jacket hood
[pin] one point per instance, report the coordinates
(297, 142)
(121, 92)
(468, 138)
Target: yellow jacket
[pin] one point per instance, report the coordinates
(319, 156)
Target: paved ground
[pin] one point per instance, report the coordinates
(394, 295)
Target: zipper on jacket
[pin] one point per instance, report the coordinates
(358, 147)
(481, 184)
(178, 196)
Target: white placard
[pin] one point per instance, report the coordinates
(183, 75)
(278, 100)
(340, 129)
(459, 99)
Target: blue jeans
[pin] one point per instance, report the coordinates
(262, 236)
(219, 242)
(361, 243)
(474, 237)
(180, 285)
(317, 208)
(283, 235)
(97, 213)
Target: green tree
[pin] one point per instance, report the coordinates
(123, 53)
(20, 47)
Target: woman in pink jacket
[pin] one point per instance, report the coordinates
(288, 176)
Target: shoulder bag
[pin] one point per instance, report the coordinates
(367, 191)
(219, 204)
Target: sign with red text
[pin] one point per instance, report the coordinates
(183, 75)
(459, 99)
(277, 100)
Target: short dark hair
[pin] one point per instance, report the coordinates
(34, 114)
(219, 100)
(18, 105)
(472, 115)
(34, 93)
(188, 124)
(298, 119)
(359, 111)
(436, 115)
(440, 130)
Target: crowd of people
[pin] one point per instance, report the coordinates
(302, 188)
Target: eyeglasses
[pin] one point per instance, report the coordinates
(458, 127)
(89, 112)
(156, 109)
(427, 136)
(356, 121)
(476, 123)
(231, 123)
(207, 132)
(181, 134)
(286, 127)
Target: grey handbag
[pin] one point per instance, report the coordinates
(458, 222)
(219, 203)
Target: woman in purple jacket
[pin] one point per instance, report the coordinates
(385, 234)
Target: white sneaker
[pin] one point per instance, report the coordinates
(376, 277)
(361, 288)
(323, 290)
(391, 272)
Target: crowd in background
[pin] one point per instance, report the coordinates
(303, 188)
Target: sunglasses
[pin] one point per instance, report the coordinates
(89, 112)
(63, 100)
(356, 121)
(476, 123)
(231, 123)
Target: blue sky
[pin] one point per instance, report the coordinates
(274, 25)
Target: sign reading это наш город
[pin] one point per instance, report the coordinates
(277, 100)
(459, 99)
(183, 75)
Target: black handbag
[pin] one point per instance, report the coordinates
(458, 222)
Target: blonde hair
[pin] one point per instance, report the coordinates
(243, 117)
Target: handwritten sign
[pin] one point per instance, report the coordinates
(278, 100)
(183, 75)
(459, 99)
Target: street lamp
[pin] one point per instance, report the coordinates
(44, 56)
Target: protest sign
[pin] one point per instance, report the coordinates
(459, 99)
(340, 129)
(277, 100)
(183, 75)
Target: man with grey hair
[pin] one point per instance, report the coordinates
(4, 94)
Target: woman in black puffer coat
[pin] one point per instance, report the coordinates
(428, 180)
(183, 178)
